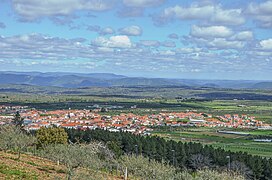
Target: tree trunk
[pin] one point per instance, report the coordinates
(19, 154)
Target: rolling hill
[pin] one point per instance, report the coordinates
(78, 80)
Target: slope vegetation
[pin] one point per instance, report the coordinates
(31, 167)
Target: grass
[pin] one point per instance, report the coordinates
(30, 167)
(10, 173)
(209, 136)
(261, 149)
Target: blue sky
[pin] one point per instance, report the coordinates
(203, 39)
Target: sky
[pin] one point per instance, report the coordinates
(188, 39)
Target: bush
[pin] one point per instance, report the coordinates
(46, 136)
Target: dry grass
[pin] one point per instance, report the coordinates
(31, 167)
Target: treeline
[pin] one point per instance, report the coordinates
(192, 156)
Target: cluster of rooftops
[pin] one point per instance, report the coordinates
(138, 124)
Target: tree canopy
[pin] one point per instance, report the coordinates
(54, 135)
(190, 155)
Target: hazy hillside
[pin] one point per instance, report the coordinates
(134, 81)
(262, 85)
(77, 80)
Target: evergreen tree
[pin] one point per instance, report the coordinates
(186, 155)
(18, 120)
(115, 148)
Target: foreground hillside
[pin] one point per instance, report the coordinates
(106, 160)
(33, 167)
(28, 167)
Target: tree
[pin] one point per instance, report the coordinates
(18, 120)
(241, 168)
(268, 169)
(55, 135)
(145, 168)
(115, 148)
(257, 167)
(74, 156)
(103, 109)
(13, 138)
(208, 174)
(198, 161)
(185, 155)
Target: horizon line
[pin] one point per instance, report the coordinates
(131, 76)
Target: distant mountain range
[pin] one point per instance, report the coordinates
(77, 80)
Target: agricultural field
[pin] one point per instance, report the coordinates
(232, 142)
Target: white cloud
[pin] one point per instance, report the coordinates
(173, 36)
(113, 42)
(131, 31)
(210, 31)
(227, 17)
(34, 51)
(266, 44)
(37, 46)
(243, 36)
(101, 31)
(261, 12)
(262, 8)
(188, 50)
(136, 8)
(222, 43)
(142, 3)
(150, 43)
(104, 50)
(130, 12)
(209, 13)
(94, 28)
(167, 53)
(170, 44)
(193, 12)
(263, 53)
(107, 30)
(34, 9)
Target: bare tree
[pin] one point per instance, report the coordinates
(74, 156)
(145, 168)
(242, 169)
(198, 161)
(208, 174)
(13, 138)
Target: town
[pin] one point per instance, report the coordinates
(136, 124)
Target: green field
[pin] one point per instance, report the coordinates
(209, 136)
